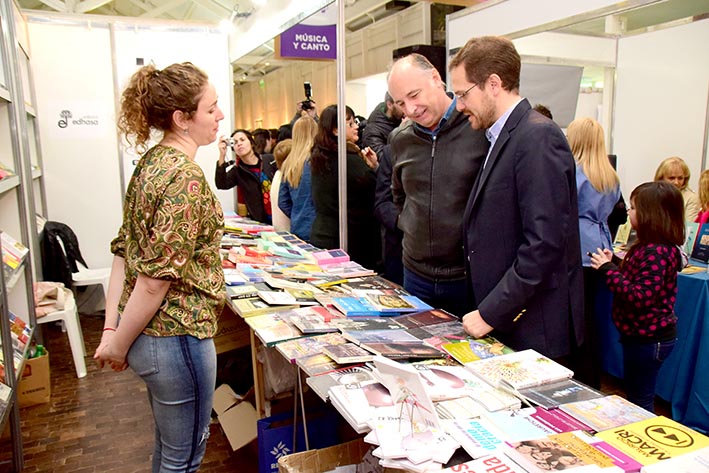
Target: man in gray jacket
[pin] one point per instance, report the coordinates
(436, 157)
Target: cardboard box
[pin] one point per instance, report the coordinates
(232, 331)
(325, 459)
(35, 386)
(275, 436)
(236, 416)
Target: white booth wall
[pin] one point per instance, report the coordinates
(661, 79)
(81, 66)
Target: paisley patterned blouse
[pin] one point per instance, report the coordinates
(172, 228)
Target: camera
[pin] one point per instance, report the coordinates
(307, 104)
(231, 142)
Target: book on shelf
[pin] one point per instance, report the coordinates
(473, 349)
(519, 370)
(12, 252)
(256, 306)
(348, 353)
(606, 412)
(565, 391)
(654, 440)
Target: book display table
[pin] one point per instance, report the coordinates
(683, 379)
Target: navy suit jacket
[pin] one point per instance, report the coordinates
(521, 236)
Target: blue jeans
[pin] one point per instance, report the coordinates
(180, 374)
(450, 295)
(641, 363)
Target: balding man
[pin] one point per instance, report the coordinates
(436, 157)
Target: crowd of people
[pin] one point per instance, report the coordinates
(473, 200)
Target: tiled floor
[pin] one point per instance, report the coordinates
(102, 423)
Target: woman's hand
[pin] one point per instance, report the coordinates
(370, 157)
(222, 149)
(106, 353)
(600, 257)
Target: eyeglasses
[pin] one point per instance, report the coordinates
(462, 96)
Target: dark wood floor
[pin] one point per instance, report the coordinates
(102, 423)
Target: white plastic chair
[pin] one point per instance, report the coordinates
(70, 319)
(89, 277)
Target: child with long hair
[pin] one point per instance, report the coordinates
(645, 286)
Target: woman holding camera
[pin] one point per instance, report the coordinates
(251, 174)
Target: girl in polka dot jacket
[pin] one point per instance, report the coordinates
(644, 287)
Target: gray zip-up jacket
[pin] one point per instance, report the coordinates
(431, 182)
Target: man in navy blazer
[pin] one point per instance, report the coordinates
(521, 231)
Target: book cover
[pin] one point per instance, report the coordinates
(474, 349)
(389, 302)
(691, 229)
(438, 334)
(403, 350)
(381, 336)
(366, 323)
(541, 455)
(302, 296)
(693, 462)
(425, 318)
(519, 370)
(369, 283)
(277, 298)
(255, 306)
(477, 436)
(654, 440)
(565, 391)
(297, 348)
(519, 425)
(317, 364)
(313, 320)
(355, 307)
(322, 383)
(606, 412)
(273, 328)
(491, 463)
(557, 420)
(242, 292)
(347, 353)
(701, 246)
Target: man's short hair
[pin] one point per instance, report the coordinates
(388, 98)
(481, 57)
(544, 110)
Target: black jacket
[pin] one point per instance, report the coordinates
(431, 183)
(239, 175)
(58, 264)
(379, 125)
(387, 213)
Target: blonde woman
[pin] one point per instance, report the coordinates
(703, 215)
(676, 171)
(598, 188)
(295, 196)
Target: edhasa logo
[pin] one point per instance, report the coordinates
(65, 119)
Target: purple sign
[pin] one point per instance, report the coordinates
(309, 42)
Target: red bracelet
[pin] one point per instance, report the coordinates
(109, 328)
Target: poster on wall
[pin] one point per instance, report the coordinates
(80, 119)
(313, 38)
